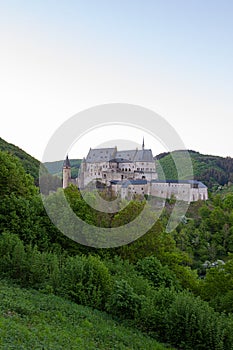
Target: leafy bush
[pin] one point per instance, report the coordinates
(153, 315)
(152, 269)
(193, 324)
(124, 302)
(86, 280)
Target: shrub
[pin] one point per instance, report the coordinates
(153, 315)
(86, 280)
(124, 302)
(152, 269)
(192, 324)
(13, 257)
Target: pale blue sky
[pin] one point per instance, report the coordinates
(174, 57)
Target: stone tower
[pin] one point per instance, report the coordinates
(66, 172)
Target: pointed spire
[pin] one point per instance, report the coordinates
(143, 144)
(66, 163)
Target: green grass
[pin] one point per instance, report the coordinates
(33, 320)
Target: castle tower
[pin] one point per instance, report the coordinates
(66, 172)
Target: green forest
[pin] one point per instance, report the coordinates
(213, 171)
(163, 291)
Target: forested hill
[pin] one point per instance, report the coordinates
(30, 164)
(211, 170)
(55, 168)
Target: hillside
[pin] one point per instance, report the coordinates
(30, 164)
(33, 320)
(176, 287)
(214, 171)
(55, 168)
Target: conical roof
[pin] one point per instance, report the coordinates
(66, 163)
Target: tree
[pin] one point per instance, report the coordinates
(13, 178)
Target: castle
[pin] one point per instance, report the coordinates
(129, 173)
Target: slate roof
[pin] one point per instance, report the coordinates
(100, 155)
(109, 154)
(126, 183)
(144, 156)
(66, 163)
(130, 154)
(192, 182)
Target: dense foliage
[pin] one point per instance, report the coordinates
(176, 287)
(30, 164)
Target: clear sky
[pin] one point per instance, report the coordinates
(172, 56)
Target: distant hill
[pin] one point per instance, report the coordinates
(30, 164)
(55, 168)
(214, 171)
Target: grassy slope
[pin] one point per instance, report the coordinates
(33, 320)
(212, 170)
(30, 164)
